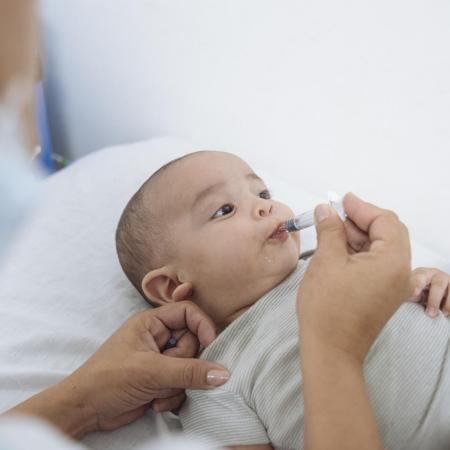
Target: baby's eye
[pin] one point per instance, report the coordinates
(228, 207)
(265, 194)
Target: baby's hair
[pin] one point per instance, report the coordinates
(142, 237)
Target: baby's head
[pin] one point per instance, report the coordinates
(199, 229)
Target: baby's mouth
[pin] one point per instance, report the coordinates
(278, 232)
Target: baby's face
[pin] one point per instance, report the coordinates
(222, 217)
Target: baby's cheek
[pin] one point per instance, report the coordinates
(235, 251)
(222, 251)
(296, 239)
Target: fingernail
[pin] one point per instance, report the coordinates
(322, 212)
(431, 311)
(217, 377)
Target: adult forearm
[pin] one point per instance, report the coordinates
(62, 406)
(338, 414)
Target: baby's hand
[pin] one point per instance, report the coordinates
(431, 288)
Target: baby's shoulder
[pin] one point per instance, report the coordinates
(257, 342)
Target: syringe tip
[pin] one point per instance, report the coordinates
(289, 226)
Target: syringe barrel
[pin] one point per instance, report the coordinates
(300, 222)
(306, 219)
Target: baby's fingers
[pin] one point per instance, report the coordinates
(420, 280)
(438, 293)
(446, 302)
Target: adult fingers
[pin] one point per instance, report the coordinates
(167, 393)
(360, 212)
(386, 232)
(168, 404)
(125, 418)
(181, 315)
(331, 235)
(188, 373)
(357, 239)
(187, 346)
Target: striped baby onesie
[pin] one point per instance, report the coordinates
(407, 372)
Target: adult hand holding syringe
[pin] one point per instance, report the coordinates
(343, 302)
(357, 240)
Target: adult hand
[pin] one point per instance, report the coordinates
(357, 278)
(132, 372)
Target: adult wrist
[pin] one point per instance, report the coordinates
(62, 405)
(315, 346)
(81, 419)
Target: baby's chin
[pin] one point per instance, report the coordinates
(291, 264)
(281, 263)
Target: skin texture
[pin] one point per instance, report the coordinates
(224, 260)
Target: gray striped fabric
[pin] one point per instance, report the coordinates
(407, 372)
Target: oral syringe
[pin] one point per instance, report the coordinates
(306, 219)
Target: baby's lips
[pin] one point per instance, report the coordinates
(278, 229)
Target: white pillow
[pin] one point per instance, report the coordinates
(63, 292)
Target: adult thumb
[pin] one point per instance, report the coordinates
(331, 235)
(190, 373)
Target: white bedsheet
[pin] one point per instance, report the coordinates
(63, 291)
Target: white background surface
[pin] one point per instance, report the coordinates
(349, 95)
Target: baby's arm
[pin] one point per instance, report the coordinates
(431, 288)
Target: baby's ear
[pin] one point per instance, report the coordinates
(161, 286)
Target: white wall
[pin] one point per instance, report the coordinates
(342, 95)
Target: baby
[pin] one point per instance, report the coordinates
(204, 228)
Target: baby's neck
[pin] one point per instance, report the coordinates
(228, 320)
(236, 314)
(223, 322)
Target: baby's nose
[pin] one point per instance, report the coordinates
(265, 209)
